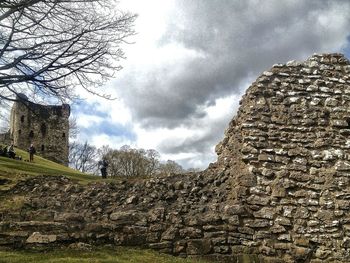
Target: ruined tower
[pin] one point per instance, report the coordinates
(46, 126)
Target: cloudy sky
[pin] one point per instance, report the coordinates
(191, 62)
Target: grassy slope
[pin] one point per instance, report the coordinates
(15, 170)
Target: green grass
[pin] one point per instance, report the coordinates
(12, 203)
(15, 170)
(99, 255)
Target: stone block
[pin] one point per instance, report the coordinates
(266, 158)
(342, 165)
(171, 233)
(69, 217)
(180, 246)
(265, 212)
(190, 232)
(199, 247)
(37, 238)
(125, 217)
(340, 123)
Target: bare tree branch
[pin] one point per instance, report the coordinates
(50, 47)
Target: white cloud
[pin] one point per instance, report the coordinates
(88, 121)
(104, 139)
(192, 61)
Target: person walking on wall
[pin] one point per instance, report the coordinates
(31, 151)
(103, 167)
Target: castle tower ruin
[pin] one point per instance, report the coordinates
(46, 126)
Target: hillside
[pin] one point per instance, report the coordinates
(11, 171)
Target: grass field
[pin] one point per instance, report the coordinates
(15, 170)
(118, 255)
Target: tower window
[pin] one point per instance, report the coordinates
(31, 134)
(42, 147)
(22, 118)
(64, 135)
(43, 129)
(19, 132)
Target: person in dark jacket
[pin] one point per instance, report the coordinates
(31, 151)
(4, 151)
(11, 151)
(103, 167)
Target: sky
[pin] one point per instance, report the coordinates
(190, 63)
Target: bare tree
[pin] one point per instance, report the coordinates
(73, 127)
(153, 161)
(50, 47)
(4, 116)
(83, 157)
(170, 167)
(131, 162)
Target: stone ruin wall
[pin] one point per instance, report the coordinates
(279, 191)
(292, 137)
(5, 138)
(47, 127)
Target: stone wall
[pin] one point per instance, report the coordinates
(287, 151)
(279, 191)
(5, 138)
(47, 127)
(180, 215)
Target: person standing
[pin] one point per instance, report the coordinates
(11, 151)
(103, 167)
(31, 151)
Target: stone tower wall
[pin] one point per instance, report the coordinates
(287, 152)
(47, 127)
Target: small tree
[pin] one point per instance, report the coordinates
(153, 161)
(170, 167)
(131, 162)
(83, 157)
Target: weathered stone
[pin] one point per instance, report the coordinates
(37, 238)
(199, 247)
(162, 245)
(156, 214)
(301, 253)
(190, 232)
(278, 229)
(180, 247)
(339, 123)
(125, 217)
(266, 158)
(66, 217)
(322, 252)
(265, 212)
(342, 166)
(131, 200)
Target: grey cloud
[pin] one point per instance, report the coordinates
(195, 144)
(237, 40)
(201, 144)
